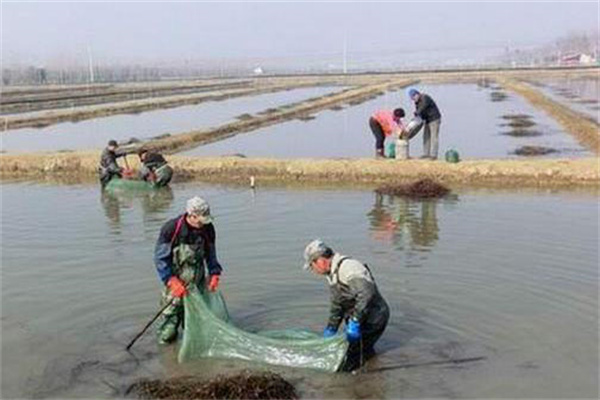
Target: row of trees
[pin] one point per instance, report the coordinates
(585, 43)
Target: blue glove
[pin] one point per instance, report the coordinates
(329, 332)
(353, 330)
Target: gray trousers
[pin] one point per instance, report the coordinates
(431, 134)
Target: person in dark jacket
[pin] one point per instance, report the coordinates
(355, 299)
(184, 249)
(154, 168)
(109, 168)
(426, 108)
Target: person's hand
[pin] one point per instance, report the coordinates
(177, 287)
(213, 283)
(329, 331)
(353, 330)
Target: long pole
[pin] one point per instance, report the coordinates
(148, 324)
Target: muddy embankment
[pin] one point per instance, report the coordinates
(15, 101)
(78, 111)
(555, 173)
(581, 127)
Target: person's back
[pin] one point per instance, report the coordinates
(155, 168)
(427, 109)
(108, 167)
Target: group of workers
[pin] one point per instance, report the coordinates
(389, 123)
(185, 251)
(154, 168)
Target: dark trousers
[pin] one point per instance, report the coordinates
(361, 351)
(378, 133)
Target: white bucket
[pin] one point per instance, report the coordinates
(402, 149)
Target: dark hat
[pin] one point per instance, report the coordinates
(113, 142)
(399, 113)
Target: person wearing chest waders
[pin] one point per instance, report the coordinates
(385, 123)
(154, 168)
(109, 168)
(426, 108)
(355, 300)
(184, 250)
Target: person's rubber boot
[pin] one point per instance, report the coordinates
(379, 154)
(167, 333)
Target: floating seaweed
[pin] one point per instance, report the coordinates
(519, 123)
(498, 96)
(245, 385)
(516, 116)
(306, 117)
(336, 108)
(421, 189)
(534, 151)
(244, 117)
(523, 132)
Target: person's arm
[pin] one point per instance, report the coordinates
(212, 263)
(163, 255)
(424, 104)
(363, 291)
(336, 312)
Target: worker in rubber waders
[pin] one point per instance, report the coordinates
(109, 168)
(385, 123)
(426, 108)
(154, 168)
(355, 300)
(184, 250)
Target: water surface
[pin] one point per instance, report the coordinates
(512, 277)
(471, 123)
(95, 133)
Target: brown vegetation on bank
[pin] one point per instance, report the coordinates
(244, 385)
(582, 128)
(476, 173)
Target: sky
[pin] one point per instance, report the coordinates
(51, 33)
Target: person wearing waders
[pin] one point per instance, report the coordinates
(154, 168)
(426, 108)
(355, 299)
(108, 167)
(385, 123)
(184, 250)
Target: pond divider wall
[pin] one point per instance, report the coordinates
(549, 173)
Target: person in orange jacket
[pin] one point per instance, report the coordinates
(184, 249)
(385, 123)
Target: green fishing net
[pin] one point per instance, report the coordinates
(209, 333)
(118, 185)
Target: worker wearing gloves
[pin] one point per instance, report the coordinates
(108, 167)
(154, 168)
(426, 108)
(355, 300)
(185, 247)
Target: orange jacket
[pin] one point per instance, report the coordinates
(385, 118)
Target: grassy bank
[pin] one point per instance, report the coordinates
(582, 128)
(472, 173)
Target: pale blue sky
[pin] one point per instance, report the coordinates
(48, 32)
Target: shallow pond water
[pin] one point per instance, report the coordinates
(512, 277)
(582, 95)
(95, 133)
(471, 123)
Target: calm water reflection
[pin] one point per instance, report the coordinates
(95, 133)
(471, 123)
(512, 277)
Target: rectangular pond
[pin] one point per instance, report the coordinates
(95, 133)
(512, 277)
(582, 95)
(472, 123)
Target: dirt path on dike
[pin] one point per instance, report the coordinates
(546, 173)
